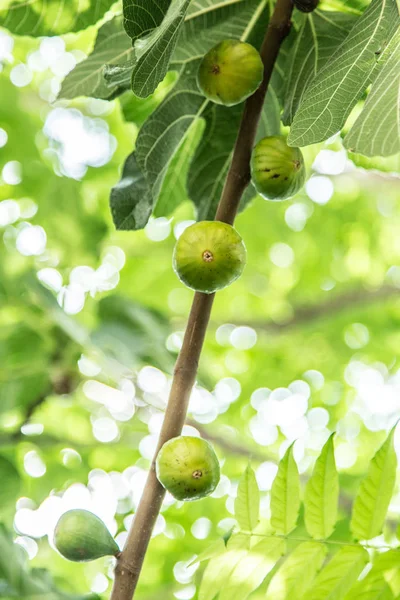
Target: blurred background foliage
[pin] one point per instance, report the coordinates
(305, 343)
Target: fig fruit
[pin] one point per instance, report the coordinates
(188, 468)
(306, 6)
(209, 256)
(230, 72)
(277, 170)
(81, 536)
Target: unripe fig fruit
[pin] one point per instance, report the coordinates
(230, 72)
(277, 170)
(81, 536)
(306, 5)
(188, 468)
(209, 256)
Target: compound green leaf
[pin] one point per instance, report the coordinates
(285, 495)
(373, 498)
(298, 571)
(336, 579)
(247, 503)
(252, 569)
(220, 568)
(322, 493)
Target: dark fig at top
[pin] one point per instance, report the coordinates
(230, 72)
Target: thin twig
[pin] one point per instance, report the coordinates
(129, 566)
(290, 537)
(303, 315)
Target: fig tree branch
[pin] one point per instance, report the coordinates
(307, 314)
(129, 565)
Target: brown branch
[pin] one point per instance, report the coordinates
(128, 568)
(307, 314)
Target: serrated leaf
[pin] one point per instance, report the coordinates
(298, 571)
(86, 79)
(130, 200)
(285, 495)
(54, 17)
(320, 34)
(377, 129)
(253, 568)
(372, 587)
(336, 579)
(373, 498)
(247, 502)
(220, 568)
(153, 52)
(330, 97)
(322, 494)
(218, 547)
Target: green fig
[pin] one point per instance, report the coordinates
(188, 468)
(230, 72)
(277, 170)
(81, 536)
(209, 256)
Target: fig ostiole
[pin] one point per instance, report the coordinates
(188, 468)
(209, 256)
(230, 72)
(277, 170)
(81, 536)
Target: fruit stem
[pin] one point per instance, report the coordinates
(129, 565)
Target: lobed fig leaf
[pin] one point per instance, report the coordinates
(277, 170)
(209, 256)
(230, 72)
(188, 468)
(80, 536)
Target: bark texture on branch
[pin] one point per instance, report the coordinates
(130, 563)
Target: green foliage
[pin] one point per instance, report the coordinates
(40, 17)
(17, 581)
(86, 79)
(336, 579)
(247, 503)
(322, 492)
(369, 134)
(375, 492)
(297, 572)
(285, 495)
(152, 56)
(337, 87)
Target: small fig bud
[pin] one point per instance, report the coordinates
(277, 170)
(306, 5)
(188, 468)
(230, 72)
(81, 536)
(209, 256)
